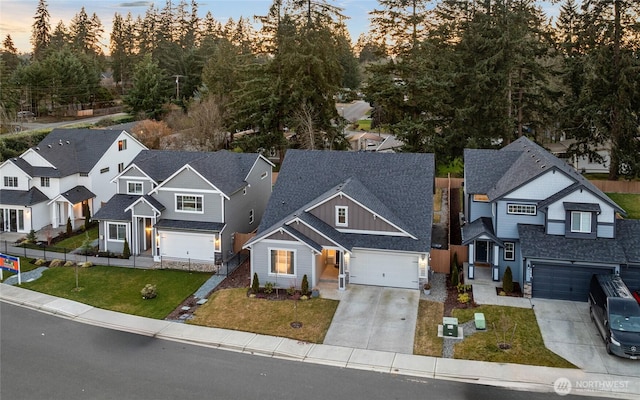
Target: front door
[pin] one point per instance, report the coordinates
(482, 251)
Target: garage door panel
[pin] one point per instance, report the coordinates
(187, 245)
(384, 269)
(631, 277)
(564, 282)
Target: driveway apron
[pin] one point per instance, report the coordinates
(375, 318)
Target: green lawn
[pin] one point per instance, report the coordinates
(118, 289)
(427, 342)
(630, 202)
(527, 346)
(232, 309)
(76, 241)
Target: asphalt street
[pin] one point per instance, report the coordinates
(48, 357)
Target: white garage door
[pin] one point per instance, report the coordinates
(187, 245)
(384, 269)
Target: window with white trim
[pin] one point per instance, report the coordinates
(342, 216)
(282, 262)
(11, 181)
(122, 144)
(117, 232)
(134, 187)
(521, 209)
(580, 222)
(45, 181)
(251, 216)
(189, 203)
(509, 251)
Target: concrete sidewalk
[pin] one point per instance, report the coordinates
(514, 376)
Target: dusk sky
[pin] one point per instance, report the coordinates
(16, 16)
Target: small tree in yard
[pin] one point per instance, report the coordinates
(455, 263)
(507, 281)
(305, 285)
(126, 252)
(454, 276)
(32, 237)
(87, 215)
(69, 227)
(255, 284)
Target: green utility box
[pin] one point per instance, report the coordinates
(480, 322)
(449, 327)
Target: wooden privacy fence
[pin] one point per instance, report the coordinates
(239, 239)
(441, 259)
(617, 186)
(443, 183)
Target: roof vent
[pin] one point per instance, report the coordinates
(68, 142)
(49, 146)
(60, 142)
(542, 166)
(38, 148)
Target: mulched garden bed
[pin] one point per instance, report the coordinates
(517, 292)
(451, 302)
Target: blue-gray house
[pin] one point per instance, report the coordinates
(529, 210)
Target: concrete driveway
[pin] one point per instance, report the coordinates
(568, 331)
(375, 318)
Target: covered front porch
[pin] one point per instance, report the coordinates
(75, 205)
(484, 249)
(333, 267)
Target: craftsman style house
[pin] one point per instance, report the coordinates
(526, 209)
(348, 218)
(66, 174)
(185, 205)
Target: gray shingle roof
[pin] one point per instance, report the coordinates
(22, 197)
(477, 228)
(114, 210)
(592, 207)
(295, 233)
(498, 172)
(35, 172)
(73, 151)
(224, 169)
(402, 183)
(180, 225)
(77, 194)
(628, 232)
(536, 244)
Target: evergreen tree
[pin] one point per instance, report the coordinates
(9, 55)
(59, 37)
(150, 90)
(40, 33)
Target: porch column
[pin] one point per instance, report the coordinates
(495, 268)
(342, 277)
(71, 214)
(472, 253)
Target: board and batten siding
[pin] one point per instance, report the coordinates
(543, 186)
(311, 234)
(508, 223)
(304, 260)
(358, 217)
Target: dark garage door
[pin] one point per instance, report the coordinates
(564, 282)
(631, 277)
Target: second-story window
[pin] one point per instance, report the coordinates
(580, 222)
(521, 209)
(342, 216)
(122, 144)
(11, 181)
(120, 167)
(45, 181)
(509, 251)
(189, 203)
(134, 187)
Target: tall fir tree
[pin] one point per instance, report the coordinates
(40, 32)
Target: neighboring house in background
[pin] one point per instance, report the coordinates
(583, 164)
(348, 218)
(529, 210)
(185, 205)
(55, 180)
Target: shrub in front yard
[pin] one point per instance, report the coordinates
(507, 280)
(149, 291)
(126, 251)
(305, 285)
(255, 284)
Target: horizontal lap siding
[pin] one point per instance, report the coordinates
(261, 258)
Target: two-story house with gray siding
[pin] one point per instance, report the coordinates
(526, 209)
(185, 205)
(68, 172)
(348, 218)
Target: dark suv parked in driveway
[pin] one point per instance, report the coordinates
(616, 315)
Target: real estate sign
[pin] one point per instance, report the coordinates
(10, 263)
